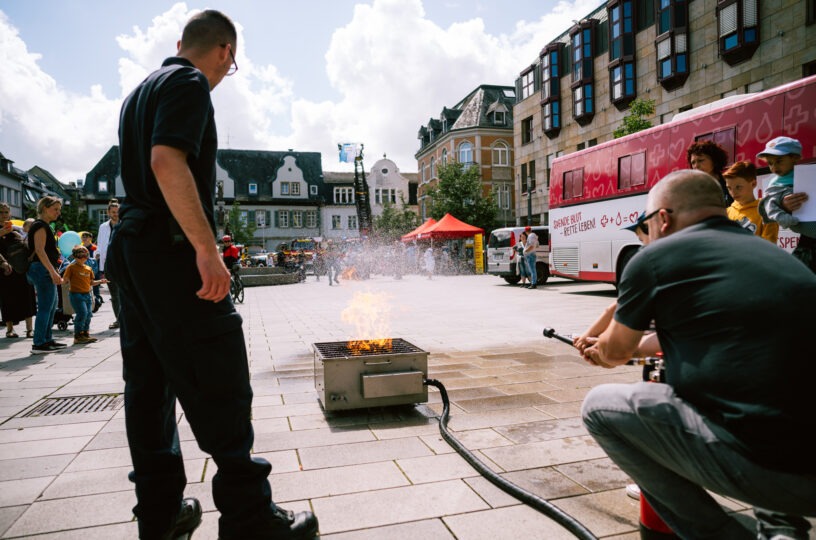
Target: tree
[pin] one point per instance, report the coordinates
(634, 121)
(459, 193)
(395, 222)
(73, 218)
(241, 232)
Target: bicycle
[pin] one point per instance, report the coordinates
(236, 287)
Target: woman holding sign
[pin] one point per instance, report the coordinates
(42, 273)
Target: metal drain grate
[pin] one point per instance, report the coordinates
(76, 405)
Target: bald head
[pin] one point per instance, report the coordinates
(681, 199)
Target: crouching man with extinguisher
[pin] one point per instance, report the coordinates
(736, 411)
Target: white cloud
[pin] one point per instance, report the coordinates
(392, 67)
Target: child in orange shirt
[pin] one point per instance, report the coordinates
(741, 181)
(80, 279)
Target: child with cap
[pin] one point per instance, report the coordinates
(80, 278)
(741, 181)
(779, 201)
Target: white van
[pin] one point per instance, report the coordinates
(502, 257)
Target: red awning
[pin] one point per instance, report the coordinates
(413, 234)
(448, 228)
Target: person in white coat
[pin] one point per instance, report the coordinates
(103, 238)
(430, 262)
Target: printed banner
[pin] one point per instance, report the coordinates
(348, 151)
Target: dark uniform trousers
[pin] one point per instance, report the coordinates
(176, 346)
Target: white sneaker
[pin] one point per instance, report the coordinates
(633, 491)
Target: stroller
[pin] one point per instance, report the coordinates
(65, 311)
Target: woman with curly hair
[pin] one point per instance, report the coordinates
(710, 157)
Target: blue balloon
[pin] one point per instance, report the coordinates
(67, 242)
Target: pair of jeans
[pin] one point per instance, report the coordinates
(667, 447)
(531, 267)
(83, 310)
(46, 292)
(177, 347)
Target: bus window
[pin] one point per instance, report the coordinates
(632, 170)
(573, 183)
(726, 138)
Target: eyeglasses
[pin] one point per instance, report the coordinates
(643, 226)
(234, 67)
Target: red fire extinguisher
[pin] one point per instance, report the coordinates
(651, 526)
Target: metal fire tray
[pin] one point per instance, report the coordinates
(377, 377)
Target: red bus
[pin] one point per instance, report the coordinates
(597, 191)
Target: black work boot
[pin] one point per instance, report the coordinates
(285, 525)
(187, 521)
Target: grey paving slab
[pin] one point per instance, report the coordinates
(472, 440)
(508, 522)
(88, 483)
(430, 529)
(543, 430)
(74, 513)
(336, 481)
(421, 470)
(397, 505)
(120, 531)
(100, 459)
(36, 448)
(9, 515)
(545, 453)
(17, 469)
(266, 442)
(23, 491)
(50, 432)
(362, 452)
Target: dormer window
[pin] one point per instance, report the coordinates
(103, 186)
(498, 118)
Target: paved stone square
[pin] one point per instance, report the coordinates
(378, 473)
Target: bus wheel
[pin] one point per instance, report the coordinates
(512, 280)
(542, 273)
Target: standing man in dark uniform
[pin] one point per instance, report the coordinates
(181, 338)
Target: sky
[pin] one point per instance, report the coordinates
(312, 73)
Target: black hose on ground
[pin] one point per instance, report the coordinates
(534, 501)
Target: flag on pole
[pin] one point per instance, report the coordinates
(348, 152)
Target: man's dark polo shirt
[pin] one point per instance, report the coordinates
(734, 314)
(170, 107)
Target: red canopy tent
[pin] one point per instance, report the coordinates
(449, 228)
(413, 234)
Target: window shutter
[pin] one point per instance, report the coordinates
(728, 20)
(277, 219)
(750, 12)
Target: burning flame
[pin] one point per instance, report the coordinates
(371, 316)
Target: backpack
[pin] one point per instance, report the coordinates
(17, 252)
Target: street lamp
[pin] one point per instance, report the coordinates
(529, 202)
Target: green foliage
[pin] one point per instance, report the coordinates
(241, 233)
(72, 218)
(459, 193)
(634, 121)
(394, 222)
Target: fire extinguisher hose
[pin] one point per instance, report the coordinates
(530, 499)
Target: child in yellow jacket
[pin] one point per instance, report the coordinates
(741, 181)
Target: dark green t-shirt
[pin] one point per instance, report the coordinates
(734, 314)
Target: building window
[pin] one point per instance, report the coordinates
(283, 219)
(726, 138)
(433, 167)
(622, 76)
(499, 118)
(502, 196)
(295, 188)
(101, 216)
(260, 219)
(311, 219)
(632, 170)
(343, 195)
(573, 184)
(738, 22)
(527, 130)
(444, 156)
(501, 155)
(466, 153)
(336, 221)
(253, 188)
(284, 188)
(312, 190)
(426, 172)
(385, 195)
(103, 186)
(551, 89)
(528, 83)
(810, 12)
(352, 223)
(583, 76)
(548, 163)
(297, 219)
(672, 43)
